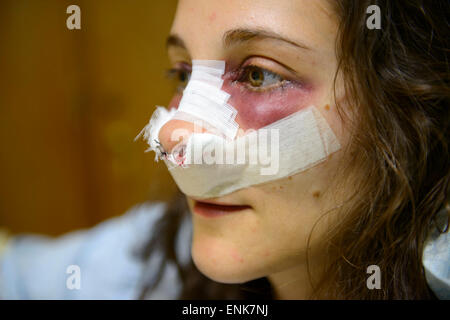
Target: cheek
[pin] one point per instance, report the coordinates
(259, 109)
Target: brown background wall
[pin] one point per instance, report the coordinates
(71, 103)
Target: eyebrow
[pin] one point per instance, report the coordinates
(236, 36)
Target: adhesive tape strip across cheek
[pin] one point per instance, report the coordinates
(281, 149)
(213, 165)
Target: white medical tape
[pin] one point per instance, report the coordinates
(150, 132)
(204, 100)
(211, 66)
(304, 139)
(203, 103)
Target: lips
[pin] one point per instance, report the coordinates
(213, 209)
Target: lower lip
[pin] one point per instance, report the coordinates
(214, 210)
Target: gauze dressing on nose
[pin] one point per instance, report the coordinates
(207, 165)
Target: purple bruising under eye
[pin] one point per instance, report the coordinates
(257, 109)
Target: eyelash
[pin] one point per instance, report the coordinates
(175, 74)
(237, 76)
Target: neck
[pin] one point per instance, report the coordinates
(291, 284)
(295, 283)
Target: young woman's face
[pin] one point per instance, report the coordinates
(281, 54)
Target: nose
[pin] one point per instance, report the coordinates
(175, 131)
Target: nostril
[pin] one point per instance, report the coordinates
(174, 132)
(179, 152)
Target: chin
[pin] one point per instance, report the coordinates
(220, 262)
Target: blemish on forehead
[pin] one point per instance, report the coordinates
(327, 107)
(316, 194)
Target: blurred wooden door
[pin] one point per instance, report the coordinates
(71, 103)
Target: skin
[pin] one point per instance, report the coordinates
(270, 238)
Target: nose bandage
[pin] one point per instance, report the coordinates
(220, 161)
(204, 102)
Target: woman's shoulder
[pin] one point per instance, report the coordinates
(105, 258)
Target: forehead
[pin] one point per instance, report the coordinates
(202, 23)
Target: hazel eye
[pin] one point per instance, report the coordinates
(257, 77)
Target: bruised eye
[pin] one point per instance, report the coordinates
(259, 78)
